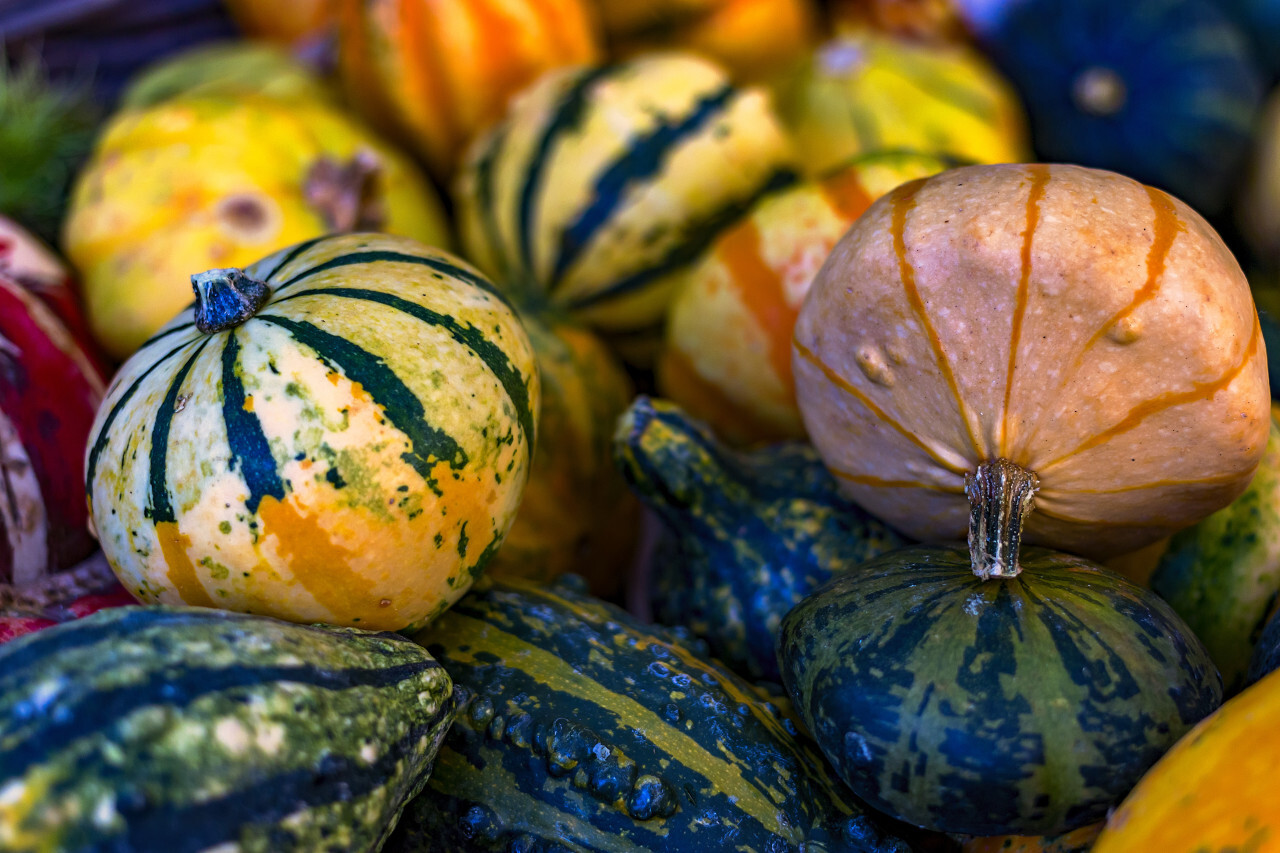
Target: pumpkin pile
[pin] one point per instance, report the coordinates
(587, 425)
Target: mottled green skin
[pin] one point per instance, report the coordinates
(1223, 575)
(1266, 655)
(1026, 706)
(183, 729)
(754, 532)
(581, 730)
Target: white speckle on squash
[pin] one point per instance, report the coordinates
(270, 738)
(232, 735)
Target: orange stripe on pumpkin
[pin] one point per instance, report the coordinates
(868, 480)
(1039, 173)
(845, 194)
(760, 287)
(182, 574)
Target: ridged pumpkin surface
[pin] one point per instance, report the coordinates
(352, 454)
(1026, 705)
(602, 185)
(1082, 326)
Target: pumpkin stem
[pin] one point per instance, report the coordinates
(346, 194)
(225, 298)
(1000, 495)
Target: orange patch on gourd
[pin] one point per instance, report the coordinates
(182, 573)
(761, 289)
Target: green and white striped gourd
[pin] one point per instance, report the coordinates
(580, 729)
(350, 449)
(182, 729)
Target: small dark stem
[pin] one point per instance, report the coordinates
(347, 195)
(1000, 495)
(225, 298)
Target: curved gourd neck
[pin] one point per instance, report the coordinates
(226, 298)
(1001, 495)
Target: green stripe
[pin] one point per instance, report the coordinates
(428, 446)
(292, 254)
(484, 201)
(469, 336)
(161, 509)
(440, 265)
(250, 450)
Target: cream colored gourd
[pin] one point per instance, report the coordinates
(1093, 332)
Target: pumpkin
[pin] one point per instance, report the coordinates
(726, 357)
(340, 433)
(1165, 91)
(1047, 334)
(190, 184)
(1024, 705)
(1213, 789)
(602, 185)
(299, 23)
(867, 91)
(440, 73)
(577, 514)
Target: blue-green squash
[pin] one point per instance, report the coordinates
(754, 531)
(1165, 91)
(580, 729)
(1025, 705)
(1266, 654)
(184, 729)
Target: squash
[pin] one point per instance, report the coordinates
(580, 729)
(1213, 789)
(726, 357)
(1074, 841)
(1024, 705)
(292, 23)
(439, 72)
(867, 91)
(602, 185)
(1266, 654)
(1164, 91)
(576, 514)
(220, 181)
(1034, 333)
(754, 532)
(185, 729)
(340, 433)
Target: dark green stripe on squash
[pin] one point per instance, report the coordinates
(292, 254)
(250, 451)
(161, 506)
(440, 265)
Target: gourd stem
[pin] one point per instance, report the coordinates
(1000, 495)
(346, 194)
(225, 298)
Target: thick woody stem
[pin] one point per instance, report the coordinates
(1000, 495)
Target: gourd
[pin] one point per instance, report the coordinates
(579, 729)
(220, 181)
(184, 729)
(440, 73)
(295, 23)
(866, 91)
(340, 433)
(1164, 91)
(726, 357)
(1075, 841)
(1033, 333)
(602, 185)
(754, 532)
(1024, 705)
(1231, 756)
(1266, 654)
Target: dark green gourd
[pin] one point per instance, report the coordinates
(1022, 705)
(580, 729)
(753, 532)
(1266, 654)
(182, 729)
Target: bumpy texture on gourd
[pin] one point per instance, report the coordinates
(1025, 705)
(187, 729)
(581, 730)
(352, 454)
(754, 532)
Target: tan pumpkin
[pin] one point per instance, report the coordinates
(1088, 341)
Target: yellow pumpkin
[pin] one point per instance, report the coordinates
(196, 183)
(1034, 334)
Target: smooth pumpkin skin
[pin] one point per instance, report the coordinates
(1086, 328)
(194, 184)
(1026, 705)
(351, 454)
(726, 357)
(1214, 790)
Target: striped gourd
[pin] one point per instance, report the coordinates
(1074, 841)
(1026, 705)
(187, 729)
(727, 353)
(353, 453)
(754, 532)
(579, 729)
(1065, 328)
(601, 185)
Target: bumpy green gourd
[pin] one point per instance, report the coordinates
(754, 532)
(186, 729)
(580, 729)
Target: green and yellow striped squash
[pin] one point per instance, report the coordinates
(185, 729)
(579, 729)
(1027, 705)
(353, 453)
(602, 184)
